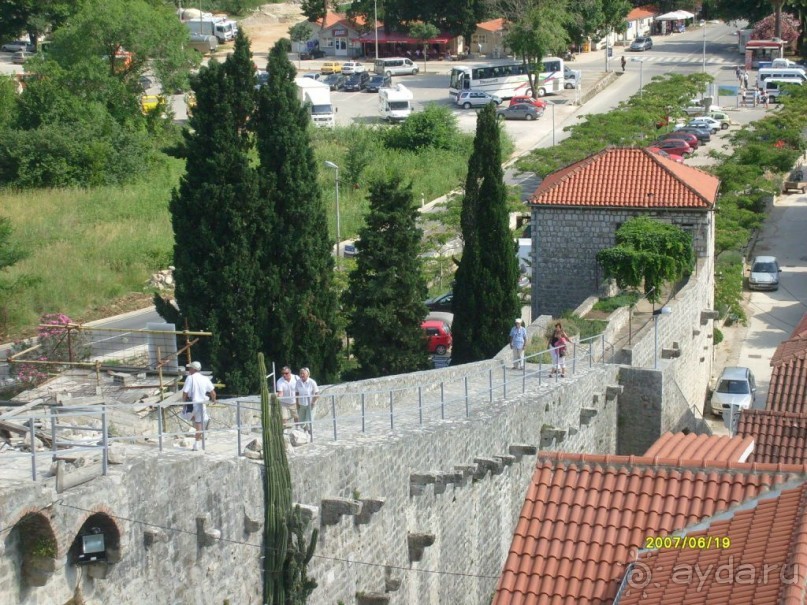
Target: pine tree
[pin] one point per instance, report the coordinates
(297, 257)
(385, 294)
(216, 217)
(485, 292)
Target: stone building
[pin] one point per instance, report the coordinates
(577, 210)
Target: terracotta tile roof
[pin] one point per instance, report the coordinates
(642, 12)
(494, 25)
(699, 447)
(332, 18)
(788, 388)
(584, 516)
(627, 178)
(779, 437)
(765, 564)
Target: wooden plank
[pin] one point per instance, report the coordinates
(22, 409)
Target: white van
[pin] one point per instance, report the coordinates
(773, 88)
(396, 66)
(786, 63)
(781, 73)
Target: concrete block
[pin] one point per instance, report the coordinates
(369, 507)
(670, 353)
(372, 598)
(586, 414)
(483, 465)
(506, 460)
(612, 392)
(551, 435)
(707, 315)
(418, 542)
(519, 450)
(419, 481)
(333, 509)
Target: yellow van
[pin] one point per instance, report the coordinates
(331, 67)
(149, 103)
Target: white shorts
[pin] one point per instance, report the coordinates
(197, 414)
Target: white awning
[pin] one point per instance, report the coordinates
(675, 16)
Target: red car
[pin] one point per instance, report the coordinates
(539, 103)
(676, 146)
(690, 138)
(438, 336)
(664, 154)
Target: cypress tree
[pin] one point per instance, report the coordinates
(385, 294)
(215, 214)
(297, 258)
(485, 291)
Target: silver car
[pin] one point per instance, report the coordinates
(736, 386)
(472, 98)
(764, 274)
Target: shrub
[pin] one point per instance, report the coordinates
(718, 336)
(434, 127)
(611, 304)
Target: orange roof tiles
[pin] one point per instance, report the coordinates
(494, 25)
(699, 447)
(788, 387)
(332, 18)
(779, 437)
(765, 563)
(627, 178)
(584, 517)
(642, 12)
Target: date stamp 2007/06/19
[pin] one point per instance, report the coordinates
(687, 542)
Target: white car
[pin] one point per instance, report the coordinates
(352, 67)
(703, 122)
(735, 387)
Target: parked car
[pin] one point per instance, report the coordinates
(441, 303)
(722, 117)
(357, 81)
(261, 78)
(313, 76)
(736, 386)
(472, 98)
(539, 103)
(704, 134)
(331, 67)
(571, 77)
(690, 138)
(378, 81)
(438, 335)
(15, 46)
(764, 273)
(519, 111)
(314, 53)
(670, 156)
(335, 81)
(704, 122)
(149, 103)
(20, 57)
(352, 67)
(642, 43)
(676, 146)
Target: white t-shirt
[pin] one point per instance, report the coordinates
(306, 389)
(287, 389)
(197, 386)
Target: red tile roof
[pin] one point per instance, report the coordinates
(765, 564)
(494, 25)
(332, 18)
(584, 516)
(628, 178)
(642, 12)
(788, 388)
(699, 447)
(779, 437)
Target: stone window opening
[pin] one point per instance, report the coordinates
(102, 526)
(33, 545)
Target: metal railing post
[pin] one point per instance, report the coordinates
(540, 369)
(420, 405)
(333, 413)
(33, 448)
(363, 427)
(602, 340)
(524, 379)
(467, 403)
(504, 382)
(442, 401)
(104, 442)
(490, 385)
(238, 425)
(53, 431)
(590, 353)
(574, 357)
(160, 427)
(391, 414)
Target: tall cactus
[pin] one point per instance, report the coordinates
(277, 495)
(298, 584)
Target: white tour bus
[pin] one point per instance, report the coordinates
(396, 66)
(795, 74)
(507, 79)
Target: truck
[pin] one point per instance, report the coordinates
(316, 97)
(222, 29)
(395, 104)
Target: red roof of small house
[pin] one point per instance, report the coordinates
(332, 18)
(585, 516)
(765, 562)
(641, 12)
(779, 437)
(788, 388)
(698, 447)
(494, 25)
(623, 177)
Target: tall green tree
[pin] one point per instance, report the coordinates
(424, 32)
(485, 290)
(217, 218)
(314, 10)
(384, 299)
(10, 255)
(35, 17)
(297, 259)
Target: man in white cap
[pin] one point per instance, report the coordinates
(518, 340)
(197, 389)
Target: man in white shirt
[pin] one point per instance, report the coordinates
(307, 395)
(286, 388)
(197, 389)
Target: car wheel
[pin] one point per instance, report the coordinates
(414, 72)
(389, 73)
(724, 126)
(529, 117)
(440, 350)
(500, 117)
(541, 92)
(466, 105)
(568, 86)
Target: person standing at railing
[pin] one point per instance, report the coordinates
(518, 340)
(307, 395)
(198, 388)
(286, 388)
(557, 348)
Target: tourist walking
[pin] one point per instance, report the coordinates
(623, 63)
(307, 395)
(518, 340)
(557, 349)
(197, 389)
(286, 388)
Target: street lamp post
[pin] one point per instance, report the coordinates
(338, 227)
(656, 313)
(553, 122)
(703, 26)
(641, 74)
(375, 25)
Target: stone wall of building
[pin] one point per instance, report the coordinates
(565, 243)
